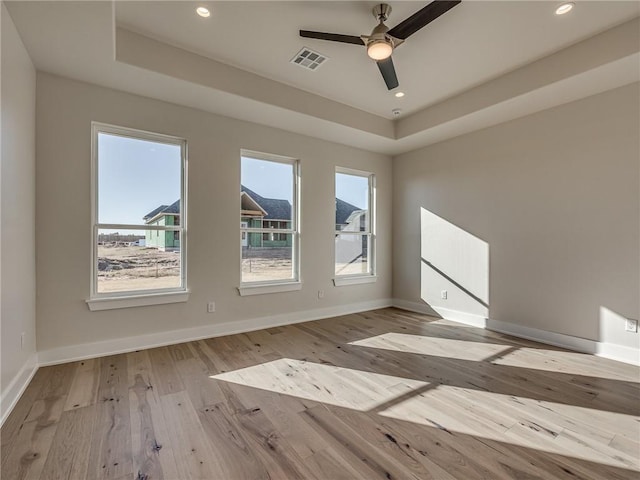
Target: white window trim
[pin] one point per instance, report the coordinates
(371, 276)
(341, 281)
(268, 288)
(129, 301)
(134, 298)
(276, 286)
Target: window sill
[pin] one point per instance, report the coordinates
(342, 281)
(271, 288)
(111, 303)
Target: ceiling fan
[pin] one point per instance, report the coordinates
(382, 41)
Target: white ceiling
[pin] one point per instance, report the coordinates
(463, 53)
(472, 43)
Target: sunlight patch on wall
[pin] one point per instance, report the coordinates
(613, 329)
(342, 387)
(454, 268)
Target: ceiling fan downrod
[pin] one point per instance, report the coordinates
(381, 12)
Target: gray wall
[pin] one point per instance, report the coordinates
(65, 109)
(18, 278)
(535, 220)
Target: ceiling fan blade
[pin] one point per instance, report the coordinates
(421, 18)
(388, 73)
(332, 37)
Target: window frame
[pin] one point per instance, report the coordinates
(107, 300)
(370, 231)
(284, 285)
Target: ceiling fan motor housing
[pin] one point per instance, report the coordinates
(379, 32)
(382, 11)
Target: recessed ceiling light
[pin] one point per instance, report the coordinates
(565, 8)
(203, 12)
(399, 94)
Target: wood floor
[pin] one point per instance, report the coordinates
(384, 394)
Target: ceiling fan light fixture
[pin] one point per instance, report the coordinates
(379, 49)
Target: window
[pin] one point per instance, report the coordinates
(138, 214)
(355, 224)
(268, 221)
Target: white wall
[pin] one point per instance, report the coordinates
(549, 204)
(65, 109)
(17, 216)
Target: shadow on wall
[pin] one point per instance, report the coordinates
(454, 283)
(454, 277)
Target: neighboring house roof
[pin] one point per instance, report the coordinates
(173, 208)
(154, 212)
(276, 209)
(249, 207)
(162, 209)
(344, 211)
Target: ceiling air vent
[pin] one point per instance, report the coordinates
(308, 59)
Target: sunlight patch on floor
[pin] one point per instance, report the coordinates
(342, 387)
(567, 429)
(452, 323)
(543, 359)
(570, 363)
(438, 347)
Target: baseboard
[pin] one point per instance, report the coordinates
(543, 336)
(619, 353)
(129, 344)
(612, 351)
(463, 317)
(583, 345)
(17, 387)
(454, 315)
(412, 306)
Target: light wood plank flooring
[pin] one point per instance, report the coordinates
(384, 394)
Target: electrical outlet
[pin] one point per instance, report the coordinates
(320, 293)
(631, 325)
(211, 307)
(443, 294)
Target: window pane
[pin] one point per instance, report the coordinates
(126, 261)
(267, 257)
(352, 254)
(267, 193)
(267, 203)
(352, 203)
(136, 179)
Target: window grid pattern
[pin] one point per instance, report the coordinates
(355, 227)
(172, 231)
(269, 248)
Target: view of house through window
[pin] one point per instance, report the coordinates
(138, 228)
(268, 222)
(354, 239)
